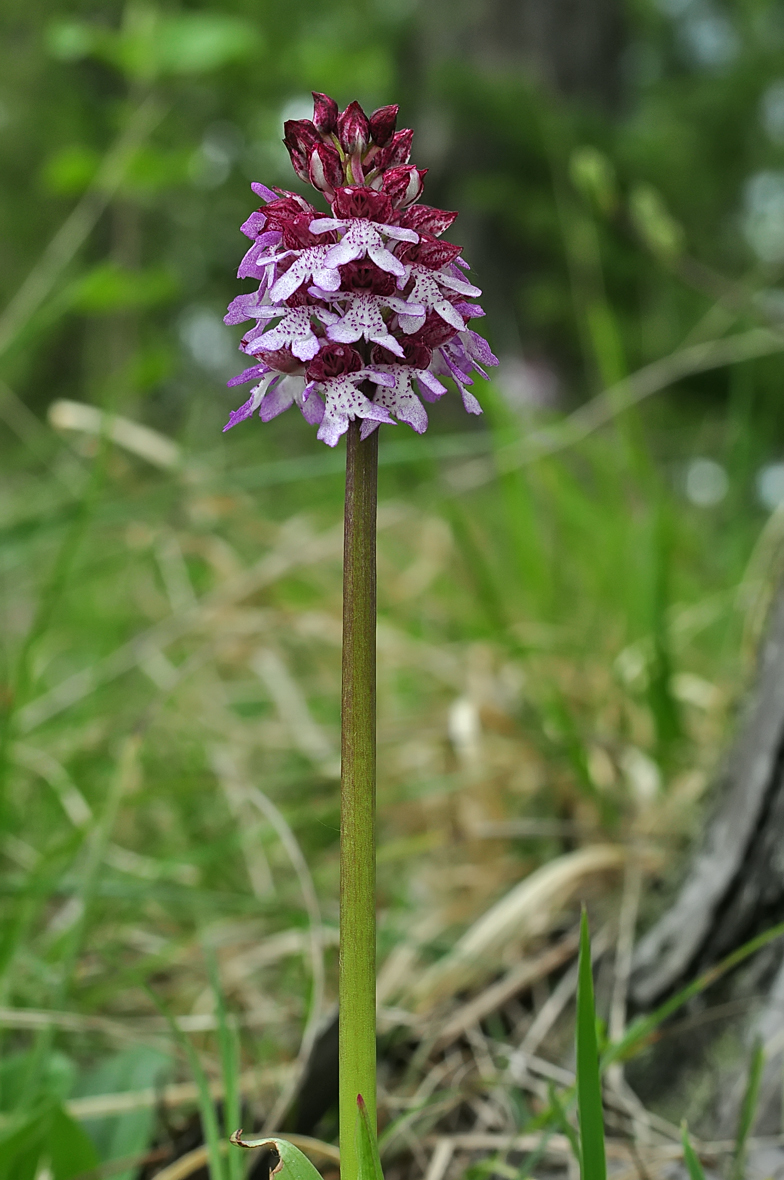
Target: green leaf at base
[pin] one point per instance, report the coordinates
(291, 1165)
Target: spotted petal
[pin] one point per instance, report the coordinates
(321, 224)
(360, 239)
(429, 385)
(427, 292)
(451, 368)
(259, 256)
(246, 307)
(344, 402)
(312, 263)
(363, 318)
(285, 392)
(253, 402)
(248, 375)
(400, 400)
(295, 331)
(454, 283)
(478, 349)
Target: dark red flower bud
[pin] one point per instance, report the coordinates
(325, 113)
(416, 353)
(356, 200)
(353, 129)
(334, 360)
(291, 216)
(281, 359)
(300, 138)
(300, 298)
(396, 152)
(364, 275)
(434, 331)
(301, 131)
(426, 219)
(381, 356)
(297, 235)
(382, 124)
(289, 205)
(403, 185)
(429, 251)
(326, 168)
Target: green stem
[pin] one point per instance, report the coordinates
(357, 983)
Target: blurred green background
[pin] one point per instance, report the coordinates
(571, 587)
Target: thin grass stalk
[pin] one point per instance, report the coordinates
(207, 1112)
(593, 1165)
(228, 1045)
(690, 1157)
(357, 972)
(748, 1110)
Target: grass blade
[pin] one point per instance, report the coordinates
(748, 1110)
(564, 1125)
(209, 1119)
(641, 1030)
(690, 1157)
(229, 1053)
(589, 1087)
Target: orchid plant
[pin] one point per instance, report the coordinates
(359, 315)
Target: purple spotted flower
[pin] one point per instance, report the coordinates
(358, 314)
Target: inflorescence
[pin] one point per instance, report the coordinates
(352, 309)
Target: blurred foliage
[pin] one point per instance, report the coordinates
(567, 612)
(580, 221)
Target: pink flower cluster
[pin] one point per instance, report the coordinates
(358, 311)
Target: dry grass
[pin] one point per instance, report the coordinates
(524, 768)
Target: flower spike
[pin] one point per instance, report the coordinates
(358, 313)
